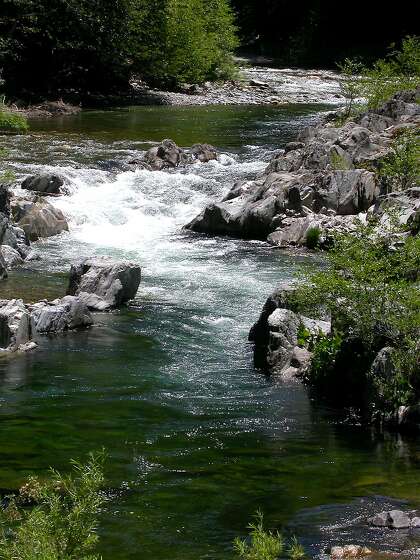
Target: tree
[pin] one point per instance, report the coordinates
(79, 47)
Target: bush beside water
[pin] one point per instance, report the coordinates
(12, 123)
(370, 288)
(55, 518)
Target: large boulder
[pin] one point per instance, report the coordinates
(41, 219)
(60, 315)
(14, 325)
(166, 155)
(275, 336)
(45, 183)
(347, 192)
(103, 283)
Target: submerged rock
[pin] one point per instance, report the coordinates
(167, 155)
(394, 519)
(349, 551)
(45, 183)
(103, 283)
(203, 152)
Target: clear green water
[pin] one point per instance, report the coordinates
(197, 439)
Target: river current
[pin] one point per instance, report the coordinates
(197, 439)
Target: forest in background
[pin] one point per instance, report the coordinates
(318, 33)
(51, 48)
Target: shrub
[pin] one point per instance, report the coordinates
(263, 545)
(266, 545)
(370, 288)
(312, 237)
(401, 168)
(350, 84)
(296, 550)
(324, 352)
(12, 122)
(55, 519)
(399, 71)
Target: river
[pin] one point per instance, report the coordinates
(197, 439)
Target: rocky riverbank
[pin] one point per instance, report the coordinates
(324, 183)
(94, 284)
(323, 180)
(254, 86)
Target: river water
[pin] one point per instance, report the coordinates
(197, 439)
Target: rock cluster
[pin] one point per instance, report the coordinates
(20, 324)
(349, 551)
(95, 284)
(14, 244)
(28, 217)
(395, 519)
(275, 336)
(321, 181)
(167, 155)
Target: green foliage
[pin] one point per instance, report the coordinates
(190, 41)
(324, 353)
(87, 46)
(312, 237)
(263, 545)
(7, 177)
(399, 71)
(295, 550)
(401, 168)
(303, 336)
(12, 122)
(266, 545)
(371, 289)
(55, 519)
(350, 84)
